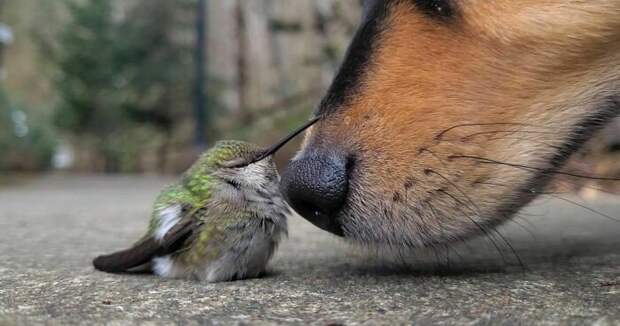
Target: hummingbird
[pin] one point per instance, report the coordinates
(222, 221)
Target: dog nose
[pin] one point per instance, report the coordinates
(316, 186)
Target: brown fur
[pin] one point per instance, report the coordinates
(504, 80)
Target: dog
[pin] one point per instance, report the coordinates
(448, 116)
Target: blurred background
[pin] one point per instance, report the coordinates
(141, 86)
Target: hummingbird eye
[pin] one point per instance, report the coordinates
(233, 184)
(234, 163)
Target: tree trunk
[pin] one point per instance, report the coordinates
(162, 152)
(242, 67)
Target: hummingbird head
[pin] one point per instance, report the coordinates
(241, 173)
(234, 163)
(229, 173)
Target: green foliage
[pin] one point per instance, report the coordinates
(26, 144)
(120, 72)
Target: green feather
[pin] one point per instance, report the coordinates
(197, 184)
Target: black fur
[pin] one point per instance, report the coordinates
(358, 58)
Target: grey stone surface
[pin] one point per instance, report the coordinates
(51, 228)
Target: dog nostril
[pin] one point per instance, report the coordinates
(308, 209)
(316, 186)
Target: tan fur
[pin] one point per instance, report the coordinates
(543, 66)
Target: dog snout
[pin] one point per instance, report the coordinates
(316, 186)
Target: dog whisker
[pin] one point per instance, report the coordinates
(558, 148)
(495, 132)
(490, 124)
(573, 183)
(556, 195)
(484, 231)
(592, 210)
(531, 168)
(479, 212)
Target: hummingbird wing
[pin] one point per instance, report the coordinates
(149, 247)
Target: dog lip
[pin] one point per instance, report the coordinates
(324, 221)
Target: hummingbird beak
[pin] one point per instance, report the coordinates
(274, 148)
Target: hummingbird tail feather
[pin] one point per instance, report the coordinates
(125, 260)
(147, 249)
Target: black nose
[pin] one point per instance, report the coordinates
(316, 186)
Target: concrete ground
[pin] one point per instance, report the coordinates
(51, 228)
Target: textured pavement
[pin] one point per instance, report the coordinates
(51, 228)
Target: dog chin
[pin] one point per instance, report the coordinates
(414, 225)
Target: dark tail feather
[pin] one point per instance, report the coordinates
(147, 249)
(123, 261)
